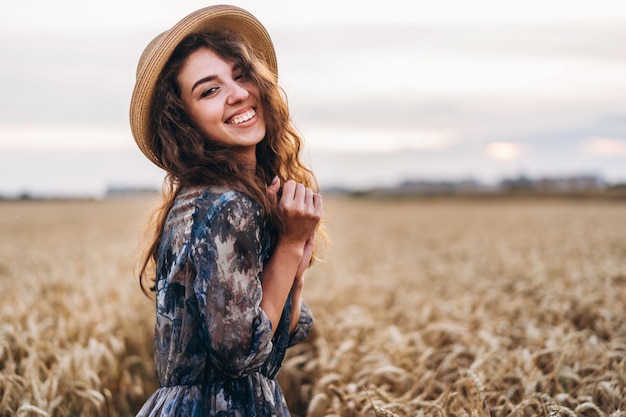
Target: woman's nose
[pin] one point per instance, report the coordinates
(236, 92)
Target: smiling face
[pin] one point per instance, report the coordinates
(222, 101)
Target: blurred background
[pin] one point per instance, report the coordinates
(386, 93)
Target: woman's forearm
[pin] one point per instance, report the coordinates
(296, 295)
(300, 210)
(278, 279)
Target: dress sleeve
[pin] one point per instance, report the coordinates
(304, 326)
(226, 255)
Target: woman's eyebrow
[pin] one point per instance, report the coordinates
(203, 80)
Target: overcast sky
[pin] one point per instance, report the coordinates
(534, 85)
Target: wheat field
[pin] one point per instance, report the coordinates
(442, 307)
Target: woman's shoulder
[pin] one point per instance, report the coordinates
(218, 198)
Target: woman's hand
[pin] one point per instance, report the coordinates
(300, 211)
(309, 245)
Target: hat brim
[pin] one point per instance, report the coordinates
(209, 19)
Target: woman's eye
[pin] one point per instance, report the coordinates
(209, 91)
(240, 76)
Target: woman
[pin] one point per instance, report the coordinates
(237, 226)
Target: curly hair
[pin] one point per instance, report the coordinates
(191, 160)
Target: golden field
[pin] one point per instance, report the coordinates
(442, 307)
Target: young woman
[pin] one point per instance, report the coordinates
(237, 226)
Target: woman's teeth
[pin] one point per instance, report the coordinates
(242, 117)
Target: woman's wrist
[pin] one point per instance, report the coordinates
(289, 247)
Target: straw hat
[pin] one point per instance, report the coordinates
(157, 53)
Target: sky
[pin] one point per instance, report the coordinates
(382, 91)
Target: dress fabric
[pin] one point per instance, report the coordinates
(214, 350)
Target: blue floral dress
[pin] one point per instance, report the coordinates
(214, 351)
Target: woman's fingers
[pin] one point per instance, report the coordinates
(272, 190)
(308, 197)
(300, 209)
(300, 192)
(289, 190)
(296, 195)
(317, 202)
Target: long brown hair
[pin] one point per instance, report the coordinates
(192, 160)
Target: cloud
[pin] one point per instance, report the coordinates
(604, 147)
(367, 140)
(64, 137)
(504, 151)
(72, 15)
